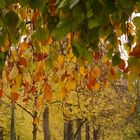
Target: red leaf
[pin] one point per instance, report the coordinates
(122, 64)
(135, 52)
(32, 90)
(34, 18)
(91, 83)
(97, 55)
(23, 61)
(1, 93)
(15, 96)
(52, 7)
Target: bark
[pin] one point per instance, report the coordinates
(46, 129)
(87, 132)
(95, 133)
(79, 125)
(68, 131)
(1, 133)
(34, 132)
(12, 121)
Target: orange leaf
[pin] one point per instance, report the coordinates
(52, 7)
(91, 83)
(96, 87)
(136, 51)
(23, 46)
(34, 18)
(23, 14)
(122, 64)
(23, 61)
(15, 96)
(32, 90)
(47, 92)
(1, 93)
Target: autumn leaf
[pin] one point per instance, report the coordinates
(47, 92)
(23, 46)
(14, 96)
(23, 61)
(95, 72)
(14, 72)
(136, 51)
(52, 7)
(122, 64)
(32, 90)
(23, 14)
(96, 87)
(34, 19)
(1, 93)
(71, 84)
(91, 83)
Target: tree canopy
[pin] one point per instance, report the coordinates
(77, 52)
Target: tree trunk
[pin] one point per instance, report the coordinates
(79, 125)
(87, 132)
(68, 131)
(95, 133)
(46, 129)
(1, 133)
(12, 121)
(34, 132)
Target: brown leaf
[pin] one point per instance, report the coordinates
(136, 51)
(122, 64)
(23, 61)
(34, 18)
(53, 7)
(14, 96)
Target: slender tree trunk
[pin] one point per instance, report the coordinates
(12, 121)
(87, 132)
(96, 133)
(46, 129)
(1, 133)
(79, 124)
(68, 131)
(34, 132)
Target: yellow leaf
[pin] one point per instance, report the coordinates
(96, 87)
(71, 84)
(60, 60)
(14, 88)
(62, 90)
(13, 73)
(82, 70)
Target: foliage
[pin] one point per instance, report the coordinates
(51, 50)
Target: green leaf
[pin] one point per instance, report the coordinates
(62, 28)
(88, 56)
(109, 53)
(138, 6)
(89, 13)
(11, 19)
(116, 59)
(73, 3)
(63, 3)
(93, 23)
(36, 3)
(2, 4)
(136, 21)
(75, 51)
(126, 3)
